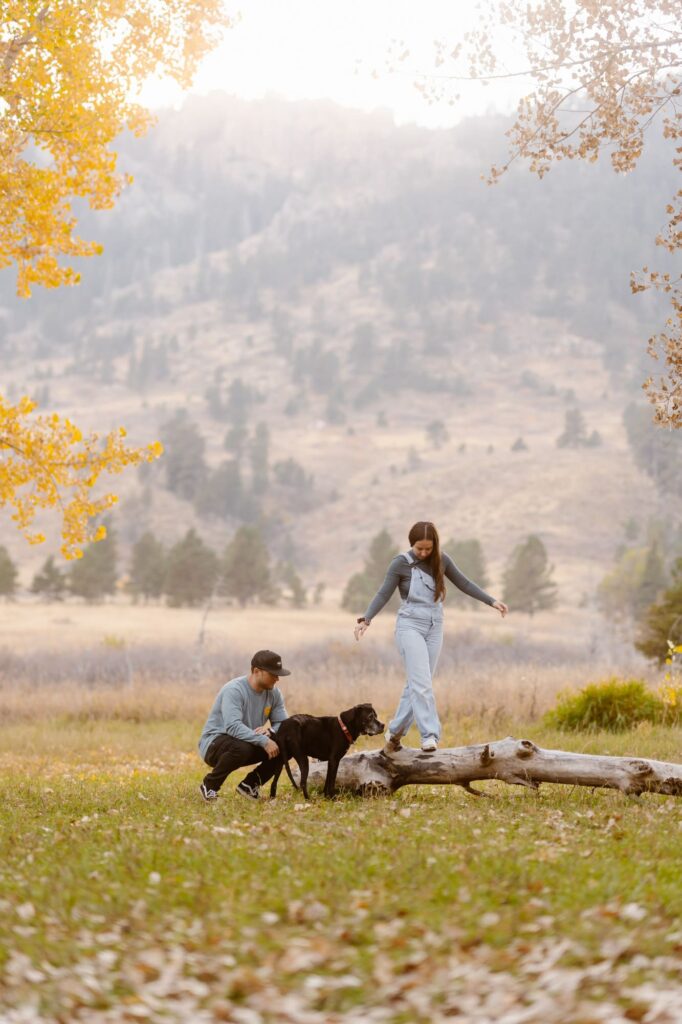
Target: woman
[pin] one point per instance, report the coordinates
(420, 575)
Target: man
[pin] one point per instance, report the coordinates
(246, 713)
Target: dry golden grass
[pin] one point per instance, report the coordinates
(142, 664)
(72, 625)
(29, 625)
(497, 695)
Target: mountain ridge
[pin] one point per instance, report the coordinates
(361, 283)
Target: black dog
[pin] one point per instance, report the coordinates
(327, 739)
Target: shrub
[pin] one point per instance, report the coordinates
(671, 698)
(614, 705)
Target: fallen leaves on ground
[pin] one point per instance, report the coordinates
(315, 979)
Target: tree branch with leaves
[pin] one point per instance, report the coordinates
(47, 463)
(603, 72)
(69, 74)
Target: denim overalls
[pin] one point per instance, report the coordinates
(419, 637)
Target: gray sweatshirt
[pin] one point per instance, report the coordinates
(239, 709)
(400, 573)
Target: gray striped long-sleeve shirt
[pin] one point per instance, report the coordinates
(400, 573)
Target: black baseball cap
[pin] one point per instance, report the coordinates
(270, 662)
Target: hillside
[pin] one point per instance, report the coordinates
(350, 283)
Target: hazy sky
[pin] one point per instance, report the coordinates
(332, 48)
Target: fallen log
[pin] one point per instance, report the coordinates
(518, 762)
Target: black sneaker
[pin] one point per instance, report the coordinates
(208, 794)
(252, 792)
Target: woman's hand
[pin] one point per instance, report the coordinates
(360, 629)
(501, 607)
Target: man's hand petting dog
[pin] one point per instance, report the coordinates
(326, 738)
(271, 748)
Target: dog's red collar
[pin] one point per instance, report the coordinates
(344, 730)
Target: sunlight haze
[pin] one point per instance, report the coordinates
(307, 49)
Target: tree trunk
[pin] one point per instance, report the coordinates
(518, 762)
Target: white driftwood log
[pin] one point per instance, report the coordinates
(519, 762)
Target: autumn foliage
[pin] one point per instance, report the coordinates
(603, 73)
(69, 72)
(47, 463)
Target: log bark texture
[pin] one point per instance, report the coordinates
(519, 762)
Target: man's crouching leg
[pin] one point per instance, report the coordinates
(224, 756)
(268, 768)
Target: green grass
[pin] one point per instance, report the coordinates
(120, 887)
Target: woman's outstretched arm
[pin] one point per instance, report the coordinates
(468, 586)
(382, 596)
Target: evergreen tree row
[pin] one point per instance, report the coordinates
(236, 487)
(527, 583)
(186, 574)
(635, 589)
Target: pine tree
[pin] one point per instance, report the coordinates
(8, 574)
(290, 473)
(528, 584)
(296, 595)
(663, 620)
(183, 456)
(362, 586)
(214, 401)
(657, 452)
(437, 433)
(235, 439)
(616, 592)
(574, 435)
(94, 575)
(222, 493)
(246, 568)
(634, 583)
(51, 581)
(469, 559)
(147, 567)
(191, 572)
(651, 582)
(239, 399)
(260, 447)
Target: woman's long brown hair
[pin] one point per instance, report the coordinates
(427, 531)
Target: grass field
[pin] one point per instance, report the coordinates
(123, 897)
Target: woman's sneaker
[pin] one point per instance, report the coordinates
(208, 794)
(393, 744)
(429, 744)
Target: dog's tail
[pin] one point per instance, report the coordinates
(282, 744)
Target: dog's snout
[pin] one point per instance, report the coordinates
(375, 727)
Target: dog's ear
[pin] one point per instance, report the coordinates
(353, 715)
